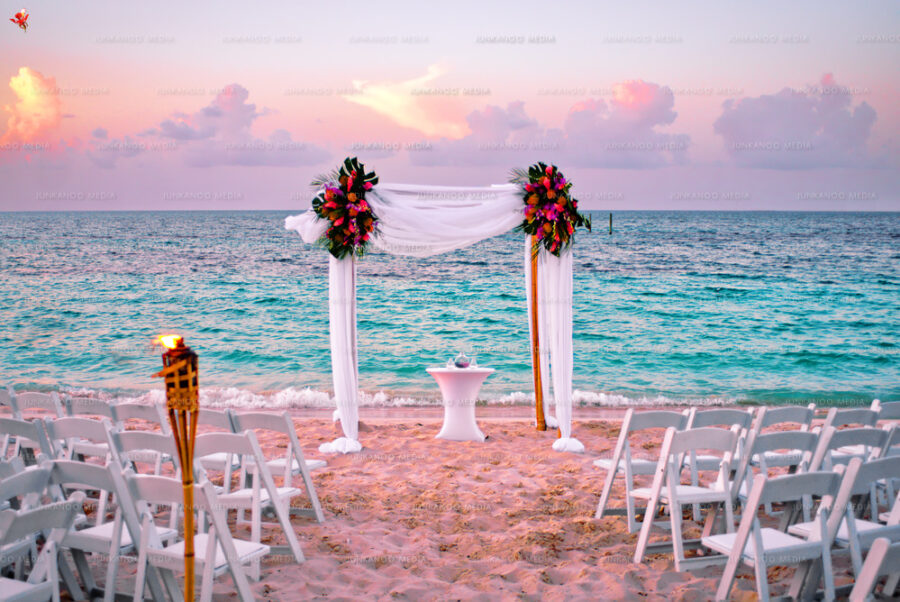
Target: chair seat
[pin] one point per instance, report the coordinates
(276, 466)
(242, 498)
(688, 494)
(22, 590)
(843, 536)
(99, 538)
(638, 465)
(778, 546)
(173, 555)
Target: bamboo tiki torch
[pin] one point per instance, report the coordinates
(535, 341)
(180, 373)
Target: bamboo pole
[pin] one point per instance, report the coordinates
(535, 341)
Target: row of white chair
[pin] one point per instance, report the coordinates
(734, 453)
(158, 550)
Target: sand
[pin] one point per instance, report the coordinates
(418, 518)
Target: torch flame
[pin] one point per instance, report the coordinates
(169, 341)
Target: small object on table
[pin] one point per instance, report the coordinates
(459, 388)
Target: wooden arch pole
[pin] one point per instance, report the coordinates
(535, 341)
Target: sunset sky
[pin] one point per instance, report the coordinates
(644, 105)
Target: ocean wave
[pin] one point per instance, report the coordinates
(308, 398)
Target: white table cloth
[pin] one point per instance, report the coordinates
(459, 388)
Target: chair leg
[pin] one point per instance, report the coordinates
(675, 510)
(646, 526)
(762, 578)
(728, 575)
(604, 495)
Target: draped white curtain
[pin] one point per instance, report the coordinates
(421, 221)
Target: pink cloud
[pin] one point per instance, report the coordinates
(798, 129)
(37, 113)
(623, 132)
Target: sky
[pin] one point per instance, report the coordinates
(110, 105)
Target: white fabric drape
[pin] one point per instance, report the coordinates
(556, 278)
(344, 359)
(543, 327)
(420, 221)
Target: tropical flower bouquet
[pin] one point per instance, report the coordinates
(342, 201)
(551, 214)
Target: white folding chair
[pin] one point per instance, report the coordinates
(838, 417)
(795, 415)
(720, 418)
(883, 559)
(107, 540)
(89, 406)
(216, 552)
(668, 489)
(222, 462)
(788, 448)
(19, 527)
(30, 434)
(292, 463)
(260, 494)
(761, 547)
(136, 448)
(867, 443)
(887, 411)
(625, 464)
(31, 404)
(855, 532)
(152, 414)
(76, 437)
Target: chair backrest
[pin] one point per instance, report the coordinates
(831, 439)
(89, 406)
(61, 430)
(67, 474)
(758, 444)
(147, 412)
(141, 446)
(32, 482)
(275, 422)
(785, 414)
(6, 396)
(875, 470)
(10, 467)
(707, 439)
(638, 421)
(220, 419)
(34, 431)
(32, 400)
(16, 525)
(886, 410)
(883, 559)
(232, 443)
(720, 417)
(838, 417)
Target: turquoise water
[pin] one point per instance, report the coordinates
(674, 306)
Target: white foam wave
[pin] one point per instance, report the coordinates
(294, 397)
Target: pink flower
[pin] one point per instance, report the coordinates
(548, 170)
(546, 183)
(339, 221)
(368, 185)
(529, 188)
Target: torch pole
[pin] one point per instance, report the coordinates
(535, 341)
(182, 401)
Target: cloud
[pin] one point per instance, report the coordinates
(409, 104)
(37, 112)
(798, 129)
(220, 134)
(99, 133)
(622, 132)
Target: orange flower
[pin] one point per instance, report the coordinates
(368, 222)
(551, 194)
(547, 227)
(351, 197)
(342, 180)
(533, 199)
(353, 212)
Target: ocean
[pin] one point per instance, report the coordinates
(671, 308)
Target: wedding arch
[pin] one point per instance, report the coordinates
(349, 212)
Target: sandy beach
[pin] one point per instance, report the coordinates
(417, 518)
